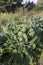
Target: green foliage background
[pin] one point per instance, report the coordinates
(8, 5)
(7, 2)
(21, 42)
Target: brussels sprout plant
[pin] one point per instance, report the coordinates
(21, 42)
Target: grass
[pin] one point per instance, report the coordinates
(20, 13)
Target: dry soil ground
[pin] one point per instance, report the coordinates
(39, 14)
